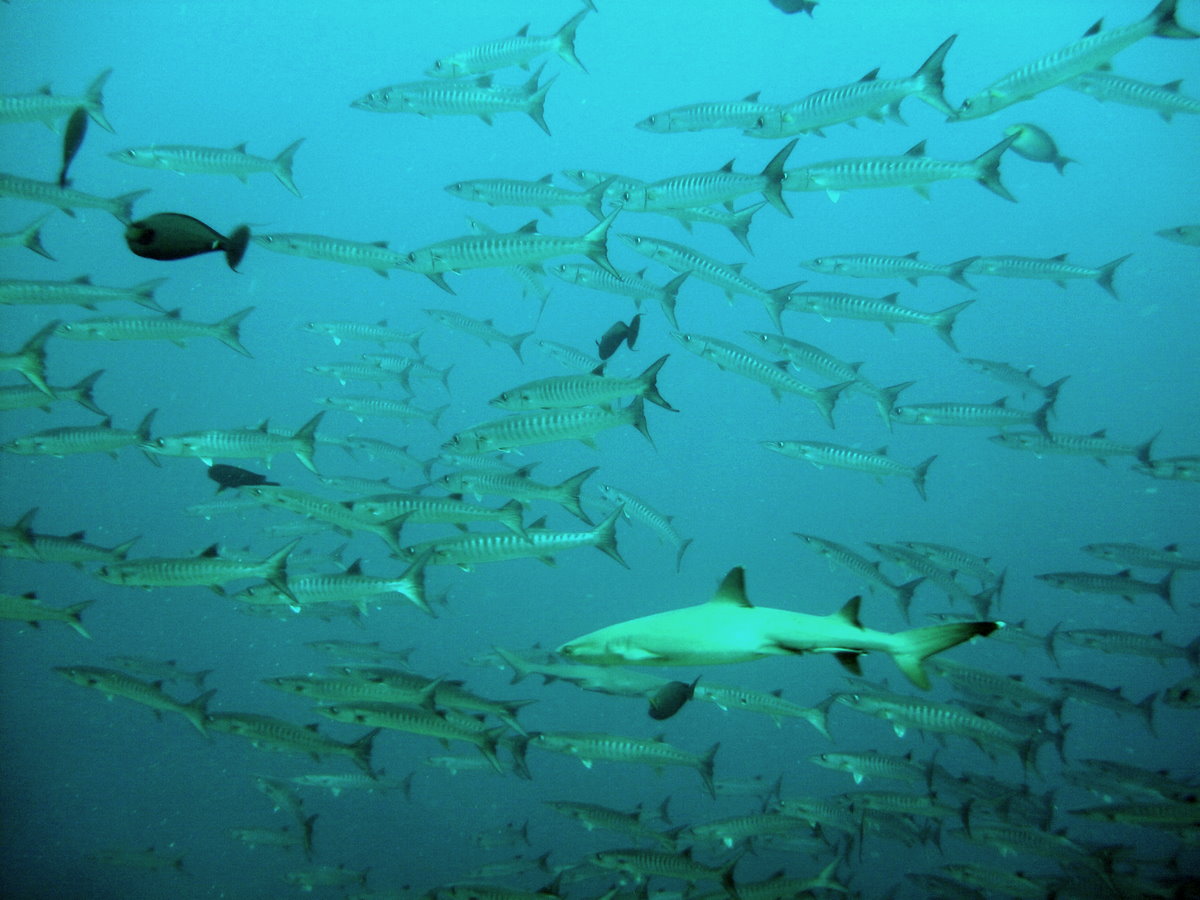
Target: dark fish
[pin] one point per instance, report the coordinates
(235, 477)
(167, 236)
(795, 6)
(617, 334)
(670, 698)
(72, 141)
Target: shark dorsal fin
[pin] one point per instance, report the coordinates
(849, 612)
(732, 589)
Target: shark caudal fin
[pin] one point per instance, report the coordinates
(911, 648)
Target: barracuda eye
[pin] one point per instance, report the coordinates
(651, 120)
(504, 396)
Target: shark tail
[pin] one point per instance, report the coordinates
(911, 648)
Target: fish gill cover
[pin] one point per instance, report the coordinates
(338, 674)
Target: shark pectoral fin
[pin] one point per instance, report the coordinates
(849, 661)
(637, 654)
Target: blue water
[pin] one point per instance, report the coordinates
(82, 775)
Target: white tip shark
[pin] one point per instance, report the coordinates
(729, 629)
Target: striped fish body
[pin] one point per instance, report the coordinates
(834, 305)
(517, 50)
(876, 463)
(617, 184)
(569, 356)
(1053, 268)
(114, 683)
(351, 587)
(276, 734)
(417, 508)
(1164, 99)
(930, 716)
(876, 265)
(1060, 444)
(637, 510)
(875, 765)
(78, 292)
(46, 107)
(395, 717)
(1136, 555)
(67, 199)
(588, 747)
(743, 114)
(469, 550)
(27, 608)
(339, 515)
(807, 356)
(240, 443)
(527, 429)
(1090, 52)
(1122, 584)
(169, 327)
(381, 407)
(67, 441)
(72, 549)
(684, 259)
(954, 559)
(346, 372)
(986, 415)
(380, 333)
(374, 256)
(520, 487)
(574, 391)
(624, 284)
(856, 564)
(762, 702)
(190, 159)
(1128, 643)
(345, 690)
(541, 194)
(468, 97)
(207, 570)
(706, 188)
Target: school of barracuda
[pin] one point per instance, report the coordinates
(1026, 818)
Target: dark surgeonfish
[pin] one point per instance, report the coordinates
(235, 477)
(794, 6)
(167, 236)
(617, 334)
(670, 698)
(73, 136)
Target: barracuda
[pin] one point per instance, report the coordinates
(876, 265)
(28, 609)
(1097, 445)
(351, 586)
(985, 415)
(624, 284)
(526, 429)
(1053, 268)
(1094, 49)
(588, 747)
(468, 550)
(737, 221)
(360, 371)
(517, 50)
(29, 396)
(568, 356)
(861, 766)
(1169, 557)
(375, 256)
(885, 310)
(914, 169)
(732, 358)
(728, 278)
(483, 329)
(363, 408)
(44, 106)
(192, 160)
(270, 733)
(641, 864)
(70, 548)
(113, 683)
(518, 248)
(1128, 643)
(541, 194)
(728, 629)
(77, 292)
(876, 463)
(863, 569)
(1020, 378)
(870, 96)
(521, 488)
(1122, 584)
(741, 114)
(209, 569)
(933, 717)
(102, 438)
(705, 188)
(441, 692)
(416, 508)
(1165, 99)
(593, 816)
(955, 560)
(991, 685)
(767, 703)
(331, 512)
(935, 574)
(169, 327)
(467, 97)
(635, 509)
(380, 332)
(68, 199)
(1107, 698)
(599, 679)
(574, 391)
(416, 721)
(241, 443)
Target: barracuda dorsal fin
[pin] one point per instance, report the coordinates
(355, 568)
(751, 97)
(849, 613)
(212, 552)
(529, 227)
(871, 76)
(728, 167)
(917, 149)
(1095, 29)
(733, 589)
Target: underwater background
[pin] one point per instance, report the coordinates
(82, 776)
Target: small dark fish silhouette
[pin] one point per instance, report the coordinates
(235, 477)
(72, 140)
(167, 236)
(617, 334)
(794, 6)
(670, 698)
